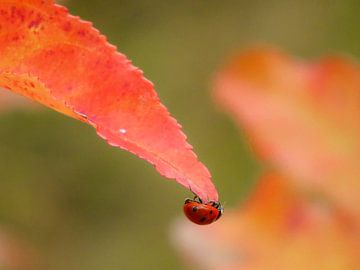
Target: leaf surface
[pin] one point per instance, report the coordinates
(66, 64)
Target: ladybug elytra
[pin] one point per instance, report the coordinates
(202, 213)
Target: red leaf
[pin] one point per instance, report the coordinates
(64, 63)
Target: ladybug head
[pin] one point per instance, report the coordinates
(218, 206)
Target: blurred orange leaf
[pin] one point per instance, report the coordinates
(304, 118)
(66, 64)
(275, 229)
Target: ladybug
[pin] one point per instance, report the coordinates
(202, 213)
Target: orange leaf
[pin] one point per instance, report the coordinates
(302, 117)
(276, 229)
(66, 64)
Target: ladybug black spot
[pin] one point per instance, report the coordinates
(202, 219)
(211, 212)
(194, 209)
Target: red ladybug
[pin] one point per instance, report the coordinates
(202, 213)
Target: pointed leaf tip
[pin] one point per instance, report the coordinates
(66, 64)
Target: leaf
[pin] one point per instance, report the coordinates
(303, 118)
(66, 64)
(277, 228)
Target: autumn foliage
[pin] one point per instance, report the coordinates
(303, 121)
(302, 118)
(66, 64)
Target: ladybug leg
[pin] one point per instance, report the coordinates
(215, 204)
(197, 199)
(187, 200)
(195, 196)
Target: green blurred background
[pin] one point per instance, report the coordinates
(85, 205)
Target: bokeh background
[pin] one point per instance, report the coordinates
(78, 203)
